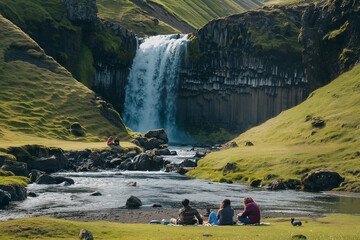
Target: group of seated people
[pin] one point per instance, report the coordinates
(225, 215)
(112, 142)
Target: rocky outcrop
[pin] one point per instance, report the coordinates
(84, 10)
(16, 192)
(157, 133)
(330, 37)
(243, 69)
(321, 179)
(18, 168)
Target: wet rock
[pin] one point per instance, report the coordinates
(200, 154)
(173, 153)
(115, 162)
(277, 184)
(5, 198)
(32, 194)
(162, 151)
(127, 165)
(184, 170)
(3, 158)
(85, 235)
(144, 162)
(155, 205)
(229, 182)
(230, 145)
(17, 192)
(230, 167)
(187, 163)
(45, 179)
(18, 168)
(131, 184)
(248, 144)
(321, 179)
(34, 174)
(293, 184)
(157, 133)
(255, 183)
(133, 202)
(59, 180)
(95, 194)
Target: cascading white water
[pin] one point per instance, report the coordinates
(151, 93)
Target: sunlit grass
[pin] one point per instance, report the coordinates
(289, 145)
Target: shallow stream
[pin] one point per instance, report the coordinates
(167, 189)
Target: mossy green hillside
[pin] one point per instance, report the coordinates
(331, 227)
(39, 97)
(132, 17)
(323, 131)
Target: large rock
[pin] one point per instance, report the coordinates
(3, 158)
(321, 179)
(133, 202)
(153, 143)
(277, 184)
(188, 163)
(157, 133)
(68, 181)
(81, 10)
(17, 192)
(51, 164)
(85, 235)
(230, 167)
(5, 198)
(145, 162)
(18, 168)
(45, 179)
(34, 175)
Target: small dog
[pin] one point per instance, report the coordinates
(295, 223)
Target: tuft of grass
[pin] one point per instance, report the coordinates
(295, 142)
(331, 227)
(14, 180)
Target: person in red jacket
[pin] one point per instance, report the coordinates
(110, 141)
(251, 213)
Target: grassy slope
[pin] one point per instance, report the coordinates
(44, 101)
(195, 13)
(132, 17)
(288, 146)
(332, 227)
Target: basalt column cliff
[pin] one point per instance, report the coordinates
(243, 69)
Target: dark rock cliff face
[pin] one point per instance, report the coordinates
(331, 39)
(243, 69)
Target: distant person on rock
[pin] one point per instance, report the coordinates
(116, 142)
(110, 141)
(224, 216)
(251, 213)
(187, 215)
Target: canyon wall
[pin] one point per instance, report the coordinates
(243, 69)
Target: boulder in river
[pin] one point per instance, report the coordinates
(157, 133)
(45, 179)
(95, 193)
(34, 174)
(145, 162)
(5, 198)
(133, 202)
(255, 183)
(131, 184)
(17, 192)
(293, 184)
(52, 163)
(18, 168)
(188, 163)
(59, 180)
(321, 179)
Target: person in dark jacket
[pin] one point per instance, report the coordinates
(224, 216)
(251, 213)
(187, 215)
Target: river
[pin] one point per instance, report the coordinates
(167, 189)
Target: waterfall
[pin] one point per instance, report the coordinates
(151, 92)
